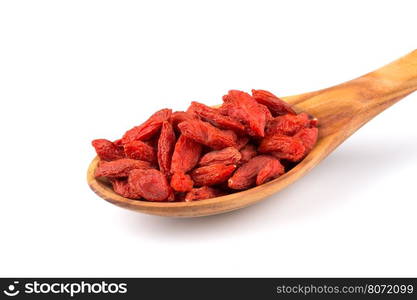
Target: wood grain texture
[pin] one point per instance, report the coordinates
(341, 111)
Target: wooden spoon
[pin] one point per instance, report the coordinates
(341, 110)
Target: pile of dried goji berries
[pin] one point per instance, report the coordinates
(207, 152)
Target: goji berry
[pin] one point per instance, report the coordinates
(140, 150)
(283, 147)
(213, 116)
(206, 134)
(181, 182)
(308, 137)
(122, 187)
(246, 175)
(287, 124)
(275, 104)
(247, 153)
(271, 170)
(186, 155)
(181, 116)
(148, 129)
(202, 193)
(166, 146)
(106, 150)
(151, 184)
(120, 167)
(241, 106)
(226, 156)
(212, 174)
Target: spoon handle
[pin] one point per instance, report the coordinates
(390, 83)
(344, 108)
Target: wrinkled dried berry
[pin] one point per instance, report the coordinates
(148, 129)
(247, 153)
(283, 147)
(242, 141)
(308, 137)
(226, 156)
(213, 116)
(212, 174)
(246, 175)
(122, 187)
(271, 170)
(182, 116)
(120, 167)
(166, 146)
(107, 150)
(287, 124)
(181, 182)
(202, 193)
(275, 104)
(206, 134)
(186, 155)
(241, 106)
(151, 184)
(140, 150)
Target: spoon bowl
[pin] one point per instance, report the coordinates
(341, 110)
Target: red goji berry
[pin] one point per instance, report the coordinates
(181, 182)
(206, 134)
(107, 150)
(287, 124)
(246, 175)
(212, 174)
(202, 193)
(241, 106)
(248, 152)
(166, 146)
(151, 184)
(148, 129)
(120, 167)
(213, 116)
(271, 170)
(283, 147)
(186, 155)
(276, 105)
(226, 156)
(122, 187)
(140, 150)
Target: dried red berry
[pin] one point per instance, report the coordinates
(107, 150)
(182, 116)
(271, 170)
(287, 124)
(276, 105)
(186, 155)
(202, 193)
(241, 106)
(122, 187)
(181, 182)
(283, 147)
(212, 174)
(151, 184)
(120, 167)
(226, 156)
(140, 150)
(213, 116)
(206, 134)
(247, 153)
(148, 129)
(308, 137)
(246, 175)
(166, 146)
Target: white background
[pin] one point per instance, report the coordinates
(72, 71)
